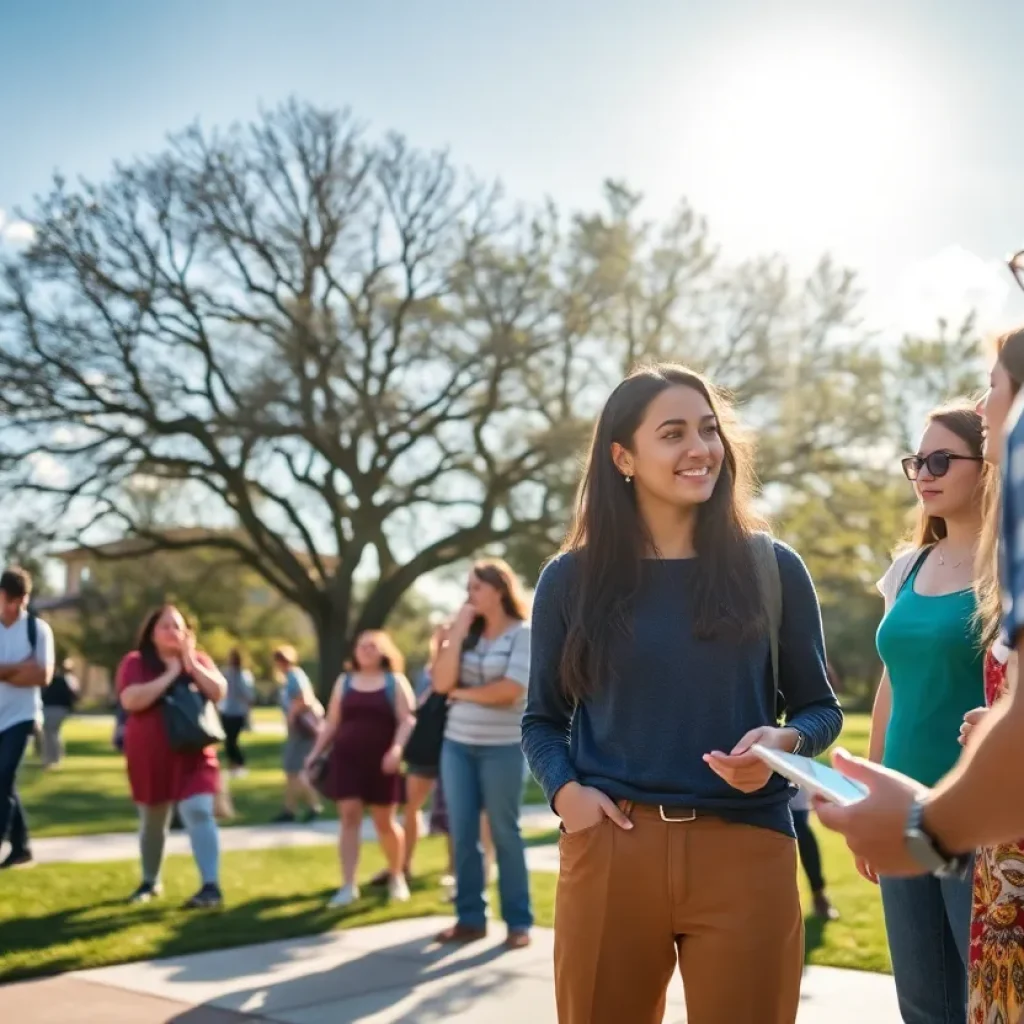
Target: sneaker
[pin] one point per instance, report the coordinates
(238, 773)
(344, 897)
(311, 815)
(146, 892)
(17, 859)
(208, 898)
(284, 818)
(398, 890)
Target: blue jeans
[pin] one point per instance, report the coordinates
(480, 778)
(13, 824)
(928, 921)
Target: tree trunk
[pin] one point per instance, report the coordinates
(333, 648)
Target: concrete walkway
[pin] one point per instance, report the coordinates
(385, 974)
(125, 845)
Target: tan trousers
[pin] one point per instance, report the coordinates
(719, 898)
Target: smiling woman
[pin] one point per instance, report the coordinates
(651, 677)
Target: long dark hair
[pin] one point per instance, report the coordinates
(610, 538)
(145, 645)
(1010, 349)
(964, 421)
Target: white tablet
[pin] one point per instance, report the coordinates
(815, 777)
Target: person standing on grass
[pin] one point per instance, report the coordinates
(420, 779)
(655, 639)
(484, 669)
(161, 777)
(303, 715)
(235, 709)
(370, 716)
(26, 666)
(810, 856)
(59, 699)
(931, 648)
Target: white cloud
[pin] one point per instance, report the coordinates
(15, 232)
(951, 284)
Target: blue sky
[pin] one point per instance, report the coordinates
(888, 133)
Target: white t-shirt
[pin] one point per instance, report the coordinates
(18, 703)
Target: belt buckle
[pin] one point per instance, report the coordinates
(676, 821)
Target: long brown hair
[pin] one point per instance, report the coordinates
(609, 537)
(1010, 353)
(965, 421)
(497, 573)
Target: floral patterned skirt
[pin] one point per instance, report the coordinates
(996, 978)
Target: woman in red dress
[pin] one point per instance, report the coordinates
(996, 968)
(369, 719)
(159, 776)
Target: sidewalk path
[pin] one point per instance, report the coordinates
(384, 974)
(124, 845)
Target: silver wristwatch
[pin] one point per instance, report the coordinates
(926, 851)
(800, 741)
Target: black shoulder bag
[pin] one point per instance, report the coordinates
(190, 717)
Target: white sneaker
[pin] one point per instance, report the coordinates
(398, 890)
(344, 897)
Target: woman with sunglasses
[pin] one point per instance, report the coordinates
(929, 643)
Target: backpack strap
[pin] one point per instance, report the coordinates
(346, 684)
(390, 685)
(32, 628)
(770, 583)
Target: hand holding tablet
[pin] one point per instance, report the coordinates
(818, 779)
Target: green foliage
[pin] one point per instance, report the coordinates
(228, 603)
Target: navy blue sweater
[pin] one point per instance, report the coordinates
(674, 698)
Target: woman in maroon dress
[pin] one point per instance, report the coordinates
(369, 719)
(159, 776)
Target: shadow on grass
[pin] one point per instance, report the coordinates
(814, 936)
(181, 932)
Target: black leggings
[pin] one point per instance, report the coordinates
(233, 726)
(810, 855)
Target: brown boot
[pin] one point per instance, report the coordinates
(460, 933)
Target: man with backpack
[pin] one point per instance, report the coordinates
(26, 666)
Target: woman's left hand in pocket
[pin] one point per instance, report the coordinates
(744, 770)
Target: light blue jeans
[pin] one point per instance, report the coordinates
(197, 816)
(479, 778)
(928, 922)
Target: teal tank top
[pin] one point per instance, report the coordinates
(930, 645)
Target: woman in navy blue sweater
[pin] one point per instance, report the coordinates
(651, 677)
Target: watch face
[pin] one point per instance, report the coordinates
(921, 848)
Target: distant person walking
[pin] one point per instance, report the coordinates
(160, 776)
(26, 665)
(369, 719)
(303, 715)
(810, 856)
(235, 709)
(59, 699)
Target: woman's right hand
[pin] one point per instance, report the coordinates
(582, 807)
(865, 870)
(463, 621)
(971, 721)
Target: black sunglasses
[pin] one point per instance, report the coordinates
(937, 463)
(1016, 265)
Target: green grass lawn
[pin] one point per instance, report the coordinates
(62, 917)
